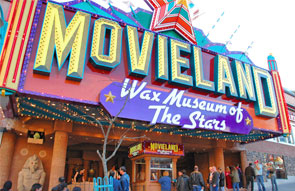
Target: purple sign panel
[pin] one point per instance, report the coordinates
(132, 100)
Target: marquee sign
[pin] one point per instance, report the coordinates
(157, 148)
(138, 102)
(78, 56)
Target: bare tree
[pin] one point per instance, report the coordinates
(106, 130)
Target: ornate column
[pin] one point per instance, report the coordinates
(59, 152)
(86, 167)
(244, 164)
(6, 154)
(174, 170)
(147, 171)
(133, 175)
(219, 157)
(58, 157)
(70, 172)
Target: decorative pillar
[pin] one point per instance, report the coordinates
(174, 168)
(147, 170)
(219, 157)
(58, 157)
(86, 167)
(6, 154)
(244, 164)
(133, 175)
(211, 158)
(70, 172)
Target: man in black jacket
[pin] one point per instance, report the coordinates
(196, 179)
(250, 176)
(221, 179)
(183, 183)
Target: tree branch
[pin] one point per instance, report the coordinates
(99, 123)
(99, 154)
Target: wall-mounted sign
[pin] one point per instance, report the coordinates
(36, 137)
(75, 55)
(157, 148)
(135, 150)
(174, 108)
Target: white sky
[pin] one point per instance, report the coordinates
(269, 23)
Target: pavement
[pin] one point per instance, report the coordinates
(283, 184)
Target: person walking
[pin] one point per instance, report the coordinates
(258, 169)
(7, 186)
(272, 175)
(165, 182)
(36, 187)
(125, 179)
(183, 183)
(221, 179)
(240, 175)
(250, 176)
(213, 179)
(228, 178)
(196, 180)
(235, 178)
(116, 183)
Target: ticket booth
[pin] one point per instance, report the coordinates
(149, 162)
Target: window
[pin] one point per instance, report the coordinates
(159, 166)
(140, 170)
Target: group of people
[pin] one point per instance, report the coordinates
(62, 186)
(256, 172)
(121, 180)
(195, 182)
(8, 186)
(234, 177)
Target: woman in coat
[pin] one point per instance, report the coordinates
(235, 178)
(228, 178)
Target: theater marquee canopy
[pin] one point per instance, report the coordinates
(152, 69)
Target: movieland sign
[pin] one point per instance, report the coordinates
(78, 56)
(172, 58)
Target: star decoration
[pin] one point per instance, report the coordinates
(110, 97)
(248, 121)
(172, 14)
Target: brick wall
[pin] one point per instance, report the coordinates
(260, 150)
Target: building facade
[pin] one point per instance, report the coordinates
(171, 98)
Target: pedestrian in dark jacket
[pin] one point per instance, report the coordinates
(213, 179)
(250, 176)
(235, 178)
(165, 182)
(116, 184)
(196, 180)
(183, 183)
(240, 175)
(125, 179)
(221, 179)
(7, 186)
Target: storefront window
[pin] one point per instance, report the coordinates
(159, 166)
(279, 163)
(140, 170)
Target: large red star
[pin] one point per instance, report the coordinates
(172, 14)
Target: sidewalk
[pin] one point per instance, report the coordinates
(283, 184)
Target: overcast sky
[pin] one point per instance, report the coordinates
(270, 24)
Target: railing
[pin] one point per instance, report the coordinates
(105, 184)
(98, 184)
